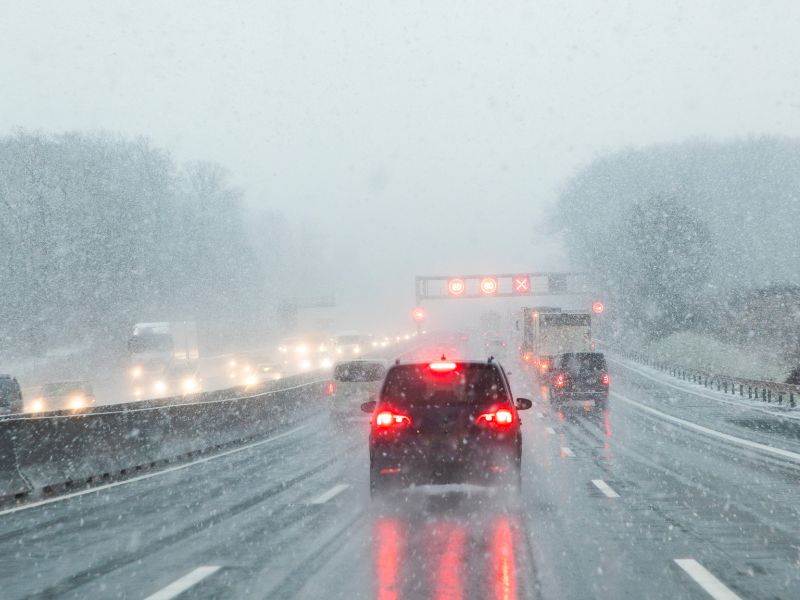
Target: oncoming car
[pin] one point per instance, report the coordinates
(445, 422)
(69, 395)
(354, 382)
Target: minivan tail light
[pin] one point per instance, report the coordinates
(330, 388)
(499, 418)
(605, 379)
(561, 380)
(387, 419)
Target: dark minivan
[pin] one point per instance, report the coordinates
(445, 422)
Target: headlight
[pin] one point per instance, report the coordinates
(276, 376)
(338, 351)
(301, 349)
(305, 365)
(231, 363)
(77, 402)
(326, 363)
(37, 405)
(250, 380)
(283, 349)
(136, 371)
(190, 385)
(357, 350)
(160, 387)
(322, 348)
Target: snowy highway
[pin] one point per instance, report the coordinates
(665, 494)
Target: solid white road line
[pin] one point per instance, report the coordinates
(566, 451)
(153, 474)
(179, 586)
(706, 580)
(550, 430)
(330, 494)
(794, 456)
(605, 488)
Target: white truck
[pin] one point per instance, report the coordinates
(163, 359)
(548, 332)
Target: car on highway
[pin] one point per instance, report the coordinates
(495, 346)
(10, 395)
(61, 395)
(445, 422)
(579, 377)
(353, 383)
(350, 343)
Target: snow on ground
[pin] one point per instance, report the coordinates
(706, 353)
(772, 408)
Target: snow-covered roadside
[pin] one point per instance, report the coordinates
(774, 409)
(707, 353)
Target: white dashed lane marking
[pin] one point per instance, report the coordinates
(179, 586)
(330, 494)
(605, 488)
(706, 580)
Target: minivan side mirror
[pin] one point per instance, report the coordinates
(369, 407)
(523, 404)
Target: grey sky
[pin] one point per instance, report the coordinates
(435, 134)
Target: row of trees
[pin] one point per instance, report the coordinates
(99, 232)
(674, 234)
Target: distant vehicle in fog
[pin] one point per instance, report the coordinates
(579, 377)
(353, 383)
(10, 395)
(495, 346)
(350, 343)
(548, 331)
(63, 395)
(155, 350)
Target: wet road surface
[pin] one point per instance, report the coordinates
(628, 502)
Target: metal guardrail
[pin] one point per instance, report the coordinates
(766, 391)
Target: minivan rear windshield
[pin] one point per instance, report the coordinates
(467, 383)
(359, 372)
(582, 361)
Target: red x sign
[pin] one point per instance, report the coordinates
(522, 284)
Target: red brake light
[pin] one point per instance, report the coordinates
(442, 366)
(605, 379)
(499, 418)
(386, 419)
(330, 389)
(527, 357)
(561, 380)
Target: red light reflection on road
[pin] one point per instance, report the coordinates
(607, 423)
(449, 584)
(503, 574)
(389, 539)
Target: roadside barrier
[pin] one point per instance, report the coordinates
(70, 449)
(766, 391)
